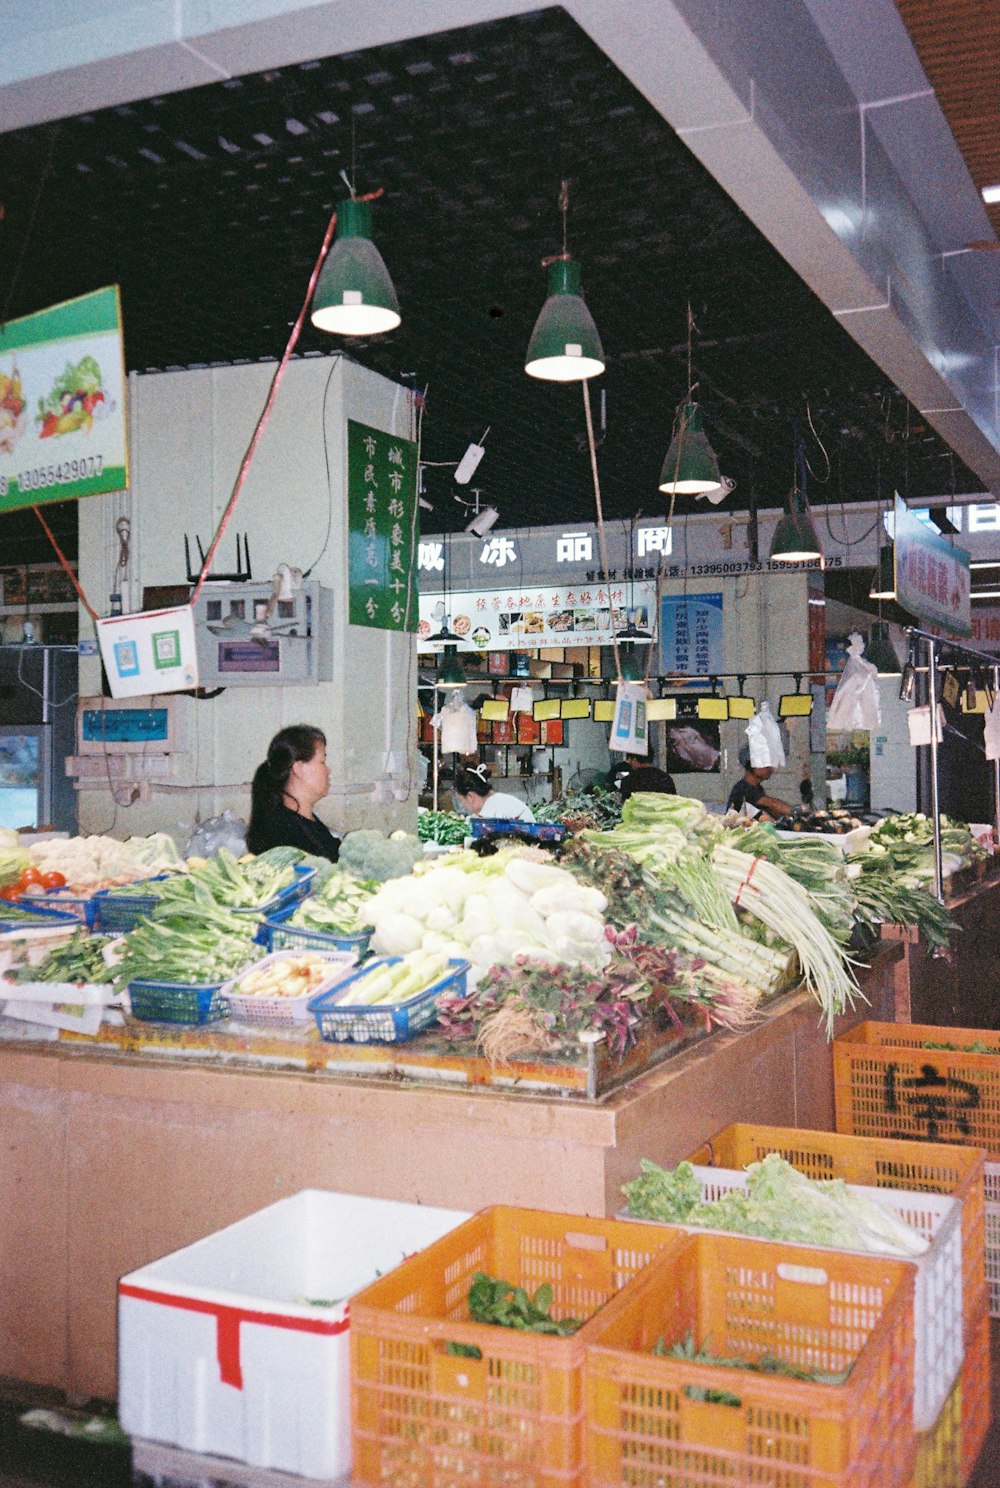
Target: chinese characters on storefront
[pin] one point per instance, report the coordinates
(933, 578)
(382, 525)
(523, 619)
(691, 634)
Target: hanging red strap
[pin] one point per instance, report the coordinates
(62, 559)
(272, 394)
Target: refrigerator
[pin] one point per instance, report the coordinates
(38, 695)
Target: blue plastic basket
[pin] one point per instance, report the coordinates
(118, 913)
(173, 1002)
(284, 937)
(488, 826)
(285, 901)
(339, 1020)
(82, 907)
(51, 918)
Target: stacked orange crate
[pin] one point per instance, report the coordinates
(655, 1418)
(924, 1167)
(439, 1400)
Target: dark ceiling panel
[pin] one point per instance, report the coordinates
(208, 208)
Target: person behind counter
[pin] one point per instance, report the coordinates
(480, 799)
(285, 789)
(637, 773)
(750, 790)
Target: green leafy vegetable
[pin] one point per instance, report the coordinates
(507, 1306)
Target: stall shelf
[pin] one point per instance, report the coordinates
(115, 1159)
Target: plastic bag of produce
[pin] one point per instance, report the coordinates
(764, 739)
(226, 830)
(856, 702)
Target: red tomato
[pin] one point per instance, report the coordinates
(28, 877)
(53, 880)
(10, 893)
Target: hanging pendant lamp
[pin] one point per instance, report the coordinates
(795, 539)
(691, 467)
(630, 666)
(883, 584)
(442, 638)
(354, 295)
(881, 652)
(451, 672)
(564, 345)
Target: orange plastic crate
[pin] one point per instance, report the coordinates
(925, 1167)
(424, 1418)
(939, 1450)
(888, 1083)
(815, 1310)
(977, 1403)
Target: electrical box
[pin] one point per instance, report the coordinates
(138, 741)
(247, 637)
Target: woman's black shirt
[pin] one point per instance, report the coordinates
(286, 828)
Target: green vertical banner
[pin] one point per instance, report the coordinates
(382, 528)
(62, 403)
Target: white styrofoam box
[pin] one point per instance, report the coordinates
(992, 1188)
(238, 1345)
(939, 1345)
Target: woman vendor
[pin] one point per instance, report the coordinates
(285, 789)
(473, 789)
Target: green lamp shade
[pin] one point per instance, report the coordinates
(564, 345)
(884, 577)
(354, 295)
(691, 467)
(451, 672)
(630, 666)
(881, 652)
(795, 539)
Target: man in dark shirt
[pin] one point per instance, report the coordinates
(638, 774)
(750, 790)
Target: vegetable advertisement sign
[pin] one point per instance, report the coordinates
(62, 403)
(382, 521)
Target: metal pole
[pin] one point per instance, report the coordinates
(437, 743)
(935, 808)
(996, 767)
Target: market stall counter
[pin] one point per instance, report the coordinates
(958, 989)
(113, 1159)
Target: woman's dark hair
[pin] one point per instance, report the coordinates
(477, 780)
(299, 742)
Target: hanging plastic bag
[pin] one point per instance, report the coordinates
(226, 830)
(522, 700)
(918, 722)
(856, 702)
(991, 729)
(764, 739)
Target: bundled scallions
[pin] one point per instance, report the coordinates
(760, 889)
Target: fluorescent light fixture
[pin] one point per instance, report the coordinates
(991, 195)
(984, 594)
(986, 563)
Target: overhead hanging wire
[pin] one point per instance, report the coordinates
(269, 402)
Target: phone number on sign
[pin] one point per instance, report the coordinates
(55, 475)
